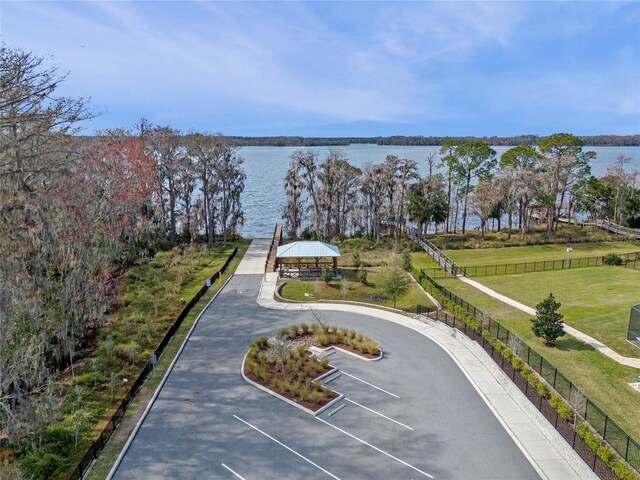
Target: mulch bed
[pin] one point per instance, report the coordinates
(294, 398)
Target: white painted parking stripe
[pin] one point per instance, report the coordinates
(378, 413)
(370, 384)
(288, 448)
(235, 473)
(375, 448)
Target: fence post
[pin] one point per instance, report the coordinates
(541, 359)
(606, 421)
(626, 450)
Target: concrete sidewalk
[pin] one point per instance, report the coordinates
(254, 259)
(601, 347)
(543, 446)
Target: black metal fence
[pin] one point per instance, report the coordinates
(99, 443)
(425, 309)
(623, 444)
(629, 260)
(634, 264)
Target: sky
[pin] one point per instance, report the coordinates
(344, 69)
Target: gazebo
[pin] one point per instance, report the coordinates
(302, 259)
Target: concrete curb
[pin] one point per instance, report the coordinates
(291, 402)
(558, 461)
(347, 352)
(143, 417)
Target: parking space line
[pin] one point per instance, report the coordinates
(370, 384)
(288, 448)
(235, 473)
(378, 413)
(376, 448)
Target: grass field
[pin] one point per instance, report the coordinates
(355, 292)
(596, 300)
(603, 380)
(493, 256)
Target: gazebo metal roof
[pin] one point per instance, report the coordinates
(307, 249)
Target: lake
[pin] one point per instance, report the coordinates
(263, 197)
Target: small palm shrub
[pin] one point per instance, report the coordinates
(362, 275)
(326, 275)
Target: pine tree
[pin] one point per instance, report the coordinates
(407, 264)
(548, 323)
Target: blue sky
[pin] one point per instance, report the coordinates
(345, 69)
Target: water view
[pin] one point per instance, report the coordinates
(263, 197)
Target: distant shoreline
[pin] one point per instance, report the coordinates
(589, 141)
(417, 141)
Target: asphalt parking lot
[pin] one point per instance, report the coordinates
(411, 415)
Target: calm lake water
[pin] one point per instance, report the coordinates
(263, 198)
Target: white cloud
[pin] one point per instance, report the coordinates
(320, 64)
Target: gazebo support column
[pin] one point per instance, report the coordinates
(335, 265)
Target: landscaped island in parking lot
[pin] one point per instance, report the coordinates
(288, 364)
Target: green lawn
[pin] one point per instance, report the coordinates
(493, 256)
(603, 380)
(595, 300)
(356, 292)
(422, 260)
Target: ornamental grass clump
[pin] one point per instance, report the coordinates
(293, 331)
(323, 339)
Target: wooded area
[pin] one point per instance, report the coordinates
(527, 184)
(74, 213)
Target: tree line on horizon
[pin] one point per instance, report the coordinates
(76, 211)
(419, 140)
(330, 198)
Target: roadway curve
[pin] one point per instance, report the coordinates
(206, 415)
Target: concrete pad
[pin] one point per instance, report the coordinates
(254, 260)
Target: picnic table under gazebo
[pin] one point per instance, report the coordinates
(306, 259)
